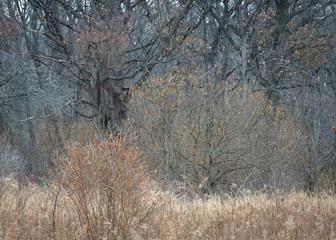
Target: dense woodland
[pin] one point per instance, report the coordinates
(167, 119)
(217, 94)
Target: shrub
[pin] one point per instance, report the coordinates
(10, 160)
(10, 164)
(105, 181)
(210, 135)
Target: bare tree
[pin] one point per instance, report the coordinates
(27, 87)
(111, 45)
(210, 135)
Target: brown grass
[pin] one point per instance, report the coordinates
(27, 213)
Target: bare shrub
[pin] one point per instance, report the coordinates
(210, 135)
(105, 181)
(10, 164)
(10, 159)
(54, 134)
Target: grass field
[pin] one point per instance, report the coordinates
(31, 213)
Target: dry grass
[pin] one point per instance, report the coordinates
(27, 213)
(287, 216)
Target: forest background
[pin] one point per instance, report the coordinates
(105, 101)
(216, 87)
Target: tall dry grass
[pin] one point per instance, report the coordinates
(27, 213)
(30, 213)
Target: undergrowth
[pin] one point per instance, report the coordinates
(104, 190)
(29, 213)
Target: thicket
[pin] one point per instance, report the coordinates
(107, 184)
(209, 135)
